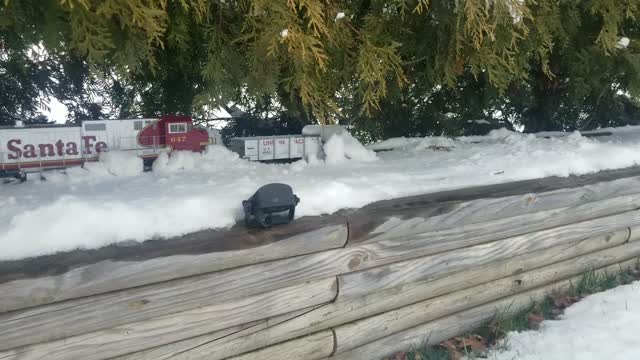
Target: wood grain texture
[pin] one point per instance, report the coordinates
(501, 190)
(476, 233)
(82, 293)
(211, 346)
(635, 233)
(162, 329)
(357, 284)
(315, 346)
(425, 213)
(29, 283)
(360, 332)
(436, 331)
(79, 316)
(181, 349)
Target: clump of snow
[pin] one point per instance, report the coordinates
(110, 164)
(413, 144)
(118, 163)
(215, 158)
(339, 16)
(179, 160)
(623, 43)
(600, 326)
(480, 121)
(189, 191)
(160, 163)
(341, 147)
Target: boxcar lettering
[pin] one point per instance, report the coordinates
(101, 146)
(72, 148)
(46, 150)
(29, 151)
(59, 148)
(15, 152)
(87, 143)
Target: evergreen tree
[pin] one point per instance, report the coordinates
(328, 61)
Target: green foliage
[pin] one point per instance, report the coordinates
(545, 64)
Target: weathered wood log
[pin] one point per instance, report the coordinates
(635, 233)
(360, 332)
(180, 348)
(415, 215)
(212, 346)
(315, 346)
(48, 279)
(118, 308)
(457, 236)
(139, 336)
(357, 284)
(444, 328)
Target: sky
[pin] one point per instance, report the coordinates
(57, 111)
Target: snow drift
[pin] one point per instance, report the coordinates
(342, 147)
(89, 208)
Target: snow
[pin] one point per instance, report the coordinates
(111, 163)
(342, 147)
(600, 326)
(623, 43)
(119, 163)
(412, 144)
(481, 121)
(111, 201)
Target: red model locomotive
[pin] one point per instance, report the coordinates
(35, 148)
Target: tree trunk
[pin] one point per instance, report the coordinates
(547, 93)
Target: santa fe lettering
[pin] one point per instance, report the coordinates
(59, 148)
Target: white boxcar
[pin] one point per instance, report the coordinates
(296, 147)
(282, 150)
(277, 147)
(247, 148)
(266, 148)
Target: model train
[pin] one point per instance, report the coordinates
(35, 148)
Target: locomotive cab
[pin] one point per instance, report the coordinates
(182, 135)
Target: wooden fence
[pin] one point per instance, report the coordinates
(361, 284)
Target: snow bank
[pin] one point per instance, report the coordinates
(118, 163)
(188, 191)
(110, 164)
(413, 144)
(343, 146)
(215, 158)
(600, 326)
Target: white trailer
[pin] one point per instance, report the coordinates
(271, 148)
